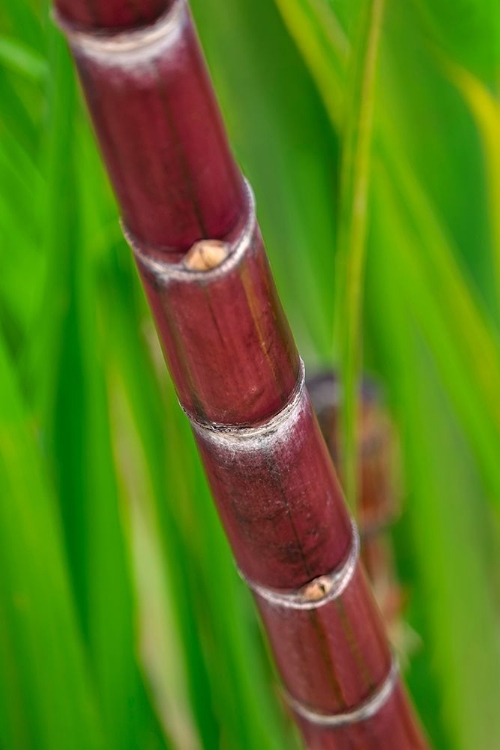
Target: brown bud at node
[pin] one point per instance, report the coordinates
(316, 590)
(206, 255)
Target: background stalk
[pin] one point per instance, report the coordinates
(237, 371)
(380, 487)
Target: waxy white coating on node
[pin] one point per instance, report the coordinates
(366, 710)
(132, 49)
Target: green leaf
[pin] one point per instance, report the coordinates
(449, 524)
(46, 699)
(20, 59)
(464, 346)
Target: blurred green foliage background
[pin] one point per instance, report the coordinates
(123, 623)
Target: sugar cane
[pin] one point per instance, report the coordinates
(189, 216)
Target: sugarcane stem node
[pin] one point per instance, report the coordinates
(320, 590)
(249, 438)
(131, 49)
(237, 244)
(364, 711)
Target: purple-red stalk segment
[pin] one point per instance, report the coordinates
(236, 368)
(111, 14)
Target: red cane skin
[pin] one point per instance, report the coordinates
(282, 534)
(236, 369)
(111, 14)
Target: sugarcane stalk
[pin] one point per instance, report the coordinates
(189, 217)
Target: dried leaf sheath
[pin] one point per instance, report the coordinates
(239, 377)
